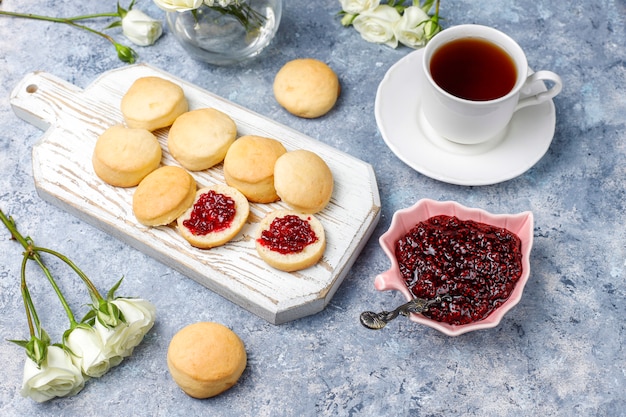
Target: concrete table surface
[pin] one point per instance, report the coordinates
(559, 352)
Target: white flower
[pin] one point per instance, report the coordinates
(119, 341)
(178, 5)
(87, 351)
(410, 29)
(57, 377)
(140, 28)
(358, 6)
(377, 25)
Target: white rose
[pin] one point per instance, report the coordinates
(377, 25)
(88, 351)
(409, 30)
(119, 342)
(358, 6)
(178, 5)
(57, 377)
(140, 28)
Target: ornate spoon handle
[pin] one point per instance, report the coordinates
(377, 321)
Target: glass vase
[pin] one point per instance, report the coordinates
(219, 37)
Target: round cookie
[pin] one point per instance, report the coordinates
(217, 214)
(249, 167)
(306, 87)
(290, 241)
(303, 181)
(205, 359)
(200, 138)
(152, 103)
(123, 156)
(163, 195)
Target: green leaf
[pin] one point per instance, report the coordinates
(121, 11)
(22, 343)
(115, 24)
(37, 348)
(109, 315)
(111, 293)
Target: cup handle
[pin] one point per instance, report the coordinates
(557, 86)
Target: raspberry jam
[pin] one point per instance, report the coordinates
(212, 212)
(475, 263)
(288, 234)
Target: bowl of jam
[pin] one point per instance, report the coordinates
(476, 261)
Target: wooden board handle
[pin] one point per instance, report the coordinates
(45, 100)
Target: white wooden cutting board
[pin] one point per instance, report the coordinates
(73, 118)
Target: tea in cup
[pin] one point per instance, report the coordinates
(475, 76)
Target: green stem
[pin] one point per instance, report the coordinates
(81, 274)
(57, 19)
(67, 20)
(37, 345)
(31, 313)
(10, 224)
(32, 252)
(87, 28)
(124, 53)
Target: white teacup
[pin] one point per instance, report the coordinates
(468, 121)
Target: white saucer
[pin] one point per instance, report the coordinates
(410, 137)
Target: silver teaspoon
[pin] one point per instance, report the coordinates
(377, 321)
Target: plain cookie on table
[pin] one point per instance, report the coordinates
(152, 103)
(123, 156)
(303, 180)
(199, 139)
(306, 87)
(205, 359)
(249, 167)
(163, 195)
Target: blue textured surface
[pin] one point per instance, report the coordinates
(560, 352)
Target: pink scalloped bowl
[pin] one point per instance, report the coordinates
(405, 219)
